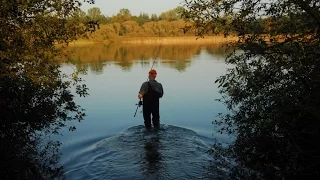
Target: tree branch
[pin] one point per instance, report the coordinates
(310, 10)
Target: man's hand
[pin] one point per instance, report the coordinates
(140, 96)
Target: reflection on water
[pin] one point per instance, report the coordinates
(95, 57)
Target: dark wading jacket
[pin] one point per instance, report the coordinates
(152, 91)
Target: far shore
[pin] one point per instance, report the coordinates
(178, 40)
(161, 40)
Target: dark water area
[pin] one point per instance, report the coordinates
(110, 143)
(170, 153)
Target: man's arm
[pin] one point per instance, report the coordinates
(161, 89)
(143, 90)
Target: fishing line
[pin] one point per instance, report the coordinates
(154, 59)
(157, 54)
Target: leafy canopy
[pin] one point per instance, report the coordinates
(272, 91)
(35, 97)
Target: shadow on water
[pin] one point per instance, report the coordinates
(169, 153)
(152, 159)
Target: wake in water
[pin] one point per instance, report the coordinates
(169, 153)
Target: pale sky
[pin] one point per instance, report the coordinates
(112, 7)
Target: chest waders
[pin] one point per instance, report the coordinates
(151, 107)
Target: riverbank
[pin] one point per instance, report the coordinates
(179, 40)
(161, 40)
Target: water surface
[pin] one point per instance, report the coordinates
(112, 144)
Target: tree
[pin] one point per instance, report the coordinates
(95, 15)
(272, 91)
(142, 18)
(173, 14)
(154, 17)
(80, 15)
(35, 96)
(131, 28)
(122, 16)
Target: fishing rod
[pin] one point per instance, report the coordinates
(154, 60)
(138, 105)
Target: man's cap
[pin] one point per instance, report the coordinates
(152, 71)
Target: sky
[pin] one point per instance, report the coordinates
(112, 7)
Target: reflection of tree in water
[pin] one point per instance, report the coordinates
(97, 67)
(144, 63)
(173, 56)
(81, 66)
(179, 65)
(218, 50)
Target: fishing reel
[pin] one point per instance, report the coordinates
(138, 105)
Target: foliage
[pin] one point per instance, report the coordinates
(35, 97)
(80, 16)
(173, 14)
(154, 17)
(122, 16)
(113, 32)
(142, 18)
(169, 23)
(94, 13)
(272, 91)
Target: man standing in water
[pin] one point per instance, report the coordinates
(151, 91)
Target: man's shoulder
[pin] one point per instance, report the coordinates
(155, 81)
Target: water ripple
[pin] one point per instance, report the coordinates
(169, 153)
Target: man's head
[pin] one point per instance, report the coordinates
(152, 74)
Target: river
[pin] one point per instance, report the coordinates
(110, 143)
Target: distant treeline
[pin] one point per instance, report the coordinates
(170, 23)
(124, 24)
